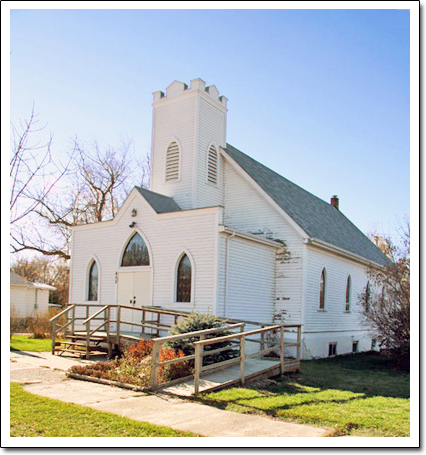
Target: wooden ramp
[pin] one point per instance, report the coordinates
(254, 369)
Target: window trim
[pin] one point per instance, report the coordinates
(322, 301)
(348, 294)
(175, 279)
(170, 142)
(213, 184)
(126, 244)
(93, 261)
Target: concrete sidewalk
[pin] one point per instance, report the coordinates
(44, 375)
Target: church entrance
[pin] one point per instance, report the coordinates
(134, 290)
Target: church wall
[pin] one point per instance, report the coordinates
(166, 235)
(211, 130)
(250, 281)
(174, 119)
(246, 210)
(333, 324)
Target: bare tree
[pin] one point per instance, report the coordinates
(30, 163)
(386, 299)
(91, 189)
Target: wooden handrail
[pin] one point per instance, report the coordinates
(236, 335)
(200, 353)
(197, 333)
(94, 314)
(62, 313)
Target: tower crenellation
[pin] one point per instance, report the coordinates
(189, 127)
(177, 88)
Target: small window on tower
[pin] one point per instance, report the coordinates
(212, 165)
(172, 162)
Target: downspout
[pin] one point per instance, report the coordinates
(225, 305)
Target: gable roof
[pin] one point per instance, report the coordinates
(316, 217)
(17, 280)
(159, 202)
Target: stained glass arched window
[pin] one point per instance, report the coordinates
(93, 282)
(184, 278)
(322, 289)
(136, 252)
(348, 293)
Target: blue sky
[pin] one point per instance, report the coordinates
(320, 96)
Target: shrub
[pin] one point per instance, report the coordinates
(41, 327)
(201, 321)
(139, 350)
(134, 367)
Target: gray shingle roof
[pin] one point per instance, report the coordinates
(17, 280)
(159, 202)
(319, 219)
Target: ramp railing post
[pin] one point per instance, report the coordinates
(53, 336)
(282, 350)
(299, 342)
(199, 348)
(143, 321)
(118, 324)
(155, 364)
(242, 358)
(88, 339)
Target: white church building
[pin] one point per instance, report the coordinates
(219, 232)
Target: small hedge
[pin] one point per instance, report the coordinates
(134, 367)
(202, 321)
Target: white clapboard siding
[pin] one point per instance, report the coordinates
(167, 237)
(246, 210)
(195, 120)
(174, 121)
(334, 317)
(18, 301)
(211, 132)
(251, 281)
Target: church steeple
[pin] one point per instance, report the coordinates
(189, 127)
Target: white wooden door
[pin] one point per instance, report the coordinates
(134, 290)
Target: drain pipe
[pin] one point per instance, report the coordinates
(225, 306)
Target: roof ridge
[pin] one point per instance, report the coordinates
(281, 176)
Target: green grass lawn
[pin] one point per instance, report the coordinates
(26, 343)
(357, 395)
(35, 416)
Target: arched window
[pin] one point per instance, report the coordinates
(323, 285)
(93, 282)
(348, 293)
(172, 162)
(367, 295)
(136, 252)
(184, 279)
(212, 165)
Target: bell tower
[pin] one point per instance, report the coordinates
(189, 127)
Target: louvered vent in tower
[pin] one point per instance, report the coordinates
(212, 165)
(172, 162)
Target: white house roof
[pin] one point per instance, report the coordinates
(17, 280)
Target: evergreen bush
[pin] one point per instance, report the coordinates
(202, 321)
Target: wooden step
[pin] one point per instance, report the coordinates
(92, 347)
(81, 353)
(83, 337)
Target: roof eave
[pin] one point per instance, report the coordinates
(342, 252)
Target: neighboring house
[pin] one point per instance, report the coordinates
(220, 232)
(26, 298)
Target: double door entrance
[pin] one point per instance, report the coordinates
(134, 290)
